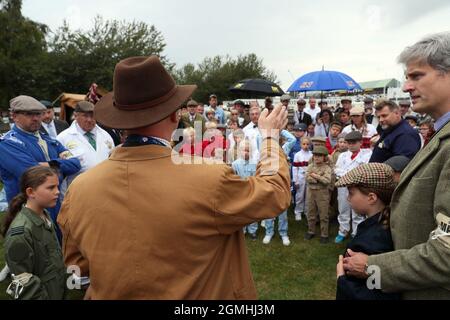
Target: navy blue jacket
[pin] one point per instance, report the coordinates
(371, 238)
(401, 140)
(20, 150)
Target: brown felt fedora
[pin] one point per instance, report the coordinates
(144, 93)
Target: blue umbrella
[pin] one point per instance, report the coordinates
(324, 81)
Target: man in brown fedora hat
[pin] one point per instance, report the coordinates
(142, 227)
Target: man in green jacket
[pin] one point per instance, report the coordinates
(419, 268)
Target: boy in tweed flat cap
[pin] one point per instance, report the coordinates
(370, 188)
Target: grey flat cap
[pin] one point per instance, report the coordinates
(25, 103)
(84, 106)
(285, 97)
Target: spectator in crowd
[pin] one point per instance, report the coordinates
(370, 189)
(243, 168)
(24, 147)
(299, 133)
(313, 110)
(311, 130)
(358, 123)
(299, 166)
(210, 115)
(342, 147)
(344, 118)
(426, 130)
(322, 128)
(347, 161)
(192, 116)
(300, 116)
(398, 164)
(412, 121)
(397, 138)
(332, 139)
(238, 136)
(369, 112)
(318, 178)
(85, 140)
(32, 250)
(253, 134)
(405, 107)
(50, 125)
(244, 117)
(219, 114)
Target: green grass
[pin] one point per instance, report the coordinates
(306, 270)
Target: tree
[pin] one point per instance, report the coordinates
(217, 74)
(80, 58)
(22, 47)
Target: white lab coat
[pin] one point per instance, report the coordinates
(74, 140)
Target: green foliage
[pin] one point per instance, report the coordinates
(80, 58)
(22, 48)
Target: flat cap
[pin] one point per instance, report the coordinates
(192, 103)
(301, 102)
(398, 163)
(319, 139)
(353, 136)
(357, 111)
(25, 103)
(285, 97)
(84, 106)
(320, 150)
(346, 99)
(369, 175)
(47, 104)
(239, 102)
(300, 127)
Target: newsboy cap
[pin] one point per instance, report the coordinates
(398, 163)
(300, 127)
(353, 136)
(368, 100)
(192, 103)
(319, 139)
(320, 150)
(25, 103)
(369, 175)
(285, 97)
(47, 104)
(84, 106)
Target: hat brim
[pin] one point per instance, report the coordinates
(109, 115)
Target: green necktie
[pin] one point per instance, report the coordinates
(90, 137)
(43, 145)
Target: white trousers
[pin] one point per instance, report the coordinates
(346, 214)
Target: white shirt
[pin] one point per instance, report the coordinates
(254, 136)
(313, 112)
(368, 132)
(74, 139)
(345, 163)
(50, 128)
(298, 173)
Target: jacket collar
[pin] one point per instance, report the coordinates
(33, 217)
(147, 152)
(424, 155)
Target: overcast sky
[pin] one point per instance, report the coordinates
(361, 38)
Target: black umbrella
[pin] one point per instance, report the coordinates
(256, 87)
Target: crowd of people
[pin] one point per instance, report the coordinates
(339, 161)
